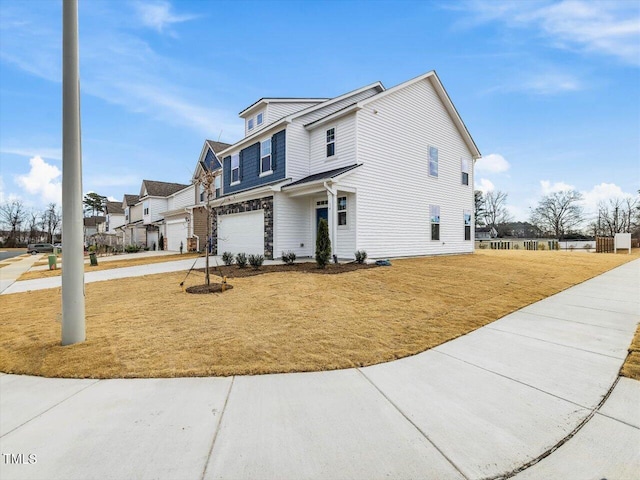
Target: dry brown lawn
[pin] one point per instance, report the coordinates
(283, 322)
(631, 367)
(108, 265)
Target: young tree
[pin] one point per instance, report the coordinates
(51, 220)
(495, 206)
(323, 244)
(12, 214)
(33, 219)
(558, 212)
(94, 203)
(479, 207)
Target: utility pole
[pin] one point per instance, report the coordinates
(73, 308)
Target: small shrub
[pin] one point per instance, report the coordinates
(587, 246)
(361, 256)
(541, 246)
(483, 246)
(288, 257)
(323, 244)
(256, 261)
(132, 248)
(516, 246)
(227, 258)
(241, 260)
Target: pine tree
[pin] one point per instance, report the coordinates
(323, 244)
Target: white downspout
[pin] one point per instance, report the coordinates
(333, 217)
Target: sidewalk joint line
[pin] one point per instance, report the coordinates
(599, 298)
(573, 321)
(489, 327)
(414, 424)
(218, 427)
(50, 408)
(618, 420)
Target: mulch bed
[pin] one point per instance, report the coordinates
(213, 288)
(307, 267)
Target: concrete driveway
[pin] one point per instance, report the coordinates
(534, 395)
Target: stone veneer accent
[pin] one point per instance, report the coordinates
(265, 203)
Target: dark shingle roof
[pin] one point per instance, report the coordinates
(217, 146)
(161, 189)
(114, 207)
(93, 221)
(323, 175)
(131, 199)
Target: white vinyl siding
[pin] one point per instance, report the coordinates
(297, 152)
(346, 234)
(345, 145)
(394, 189)
(277, 110)
(293, 225)
(334, 107)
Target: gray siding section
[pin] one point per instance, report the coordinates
(250, 165)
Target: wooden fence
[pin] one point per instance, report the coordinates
(604, 244)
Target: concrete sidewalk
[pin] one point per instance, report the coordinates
(10, 273)
(524, 395)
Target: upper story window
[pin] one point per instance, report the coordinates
(435, 222)
(342, 211)
(145, 205)
(126, 214)
(218, 185)
(250, 124)
(465, 171)
(235, 168)
(467, 224)
(259, 118)
(202, 196)
(331, 142)
(265, 156)
(433, 161)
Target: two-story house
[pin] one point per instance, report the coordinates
(154, 200)
(132, 230)
(391, 170)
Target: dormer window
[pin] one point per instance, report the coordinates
(331, 142)
(265, 157)
(259, 119)
(235, 168)
(250, 124)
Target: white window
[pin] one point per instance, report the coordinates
(435, 222)
(250, 124)
(145, 205)
(331, 142)
(433, 161)
(259, 119)
(218, 185)
(126, 214)
(202, 197)
(465, 171)
(265, 157)
(467, 224)
(342, 211)
(235, 168)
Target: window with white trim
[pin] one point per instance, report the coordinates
(259, 118)
(433, 161)
(265, 156)
(145, 205)
(218, 185)
(235, 168)
(467, 224)
(202, 197)
(342, 211)
(435, 222)
(331, 142)
(126, 214)
(250, 124)
(465, 171)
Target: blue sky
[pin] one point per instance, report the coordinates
(550, 90)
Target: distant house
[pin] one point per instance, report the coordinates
(390, 170)
(486, 233)
(132, 229)
(92, 225)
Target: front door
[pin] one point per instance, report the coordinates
(321, 213)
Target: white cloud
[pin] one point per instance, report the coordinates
(601, 193)
(602, 27)
(158, 15)
(551, 83)
(485, 185)
(547, 187)
(52, 153)
(42, 181)
(492, 163)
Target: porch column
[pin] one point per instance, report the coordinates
(333, 217)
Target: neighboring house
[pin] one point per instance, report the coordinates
(391, 170)
(133, 231)
(92, 226)
(486, 233)
(154, 200)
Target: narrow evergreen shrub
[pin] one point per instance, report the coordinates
(361, 256)
(241, 260)
(227, 258)
(323, 244)
(256, 261)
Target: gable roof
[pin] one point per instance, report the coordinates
(93, 221)
(267, 100)
(114, 208)
(217, 146)
(130, 200)
(326, 175)
(160, 189)
(444, 97)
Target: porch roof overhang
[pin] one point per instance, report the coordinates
(319, 181)
(248, 194)
(173, 213)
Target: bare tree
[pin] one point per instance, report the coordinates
(33, 220)
(558, 212)
(51, 220)
(495, 209)
(616, 216)
(479, 207)
(207, 181)
(12, 215)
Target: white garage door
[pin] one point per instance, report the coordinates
(176, 233)
(241, 232)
